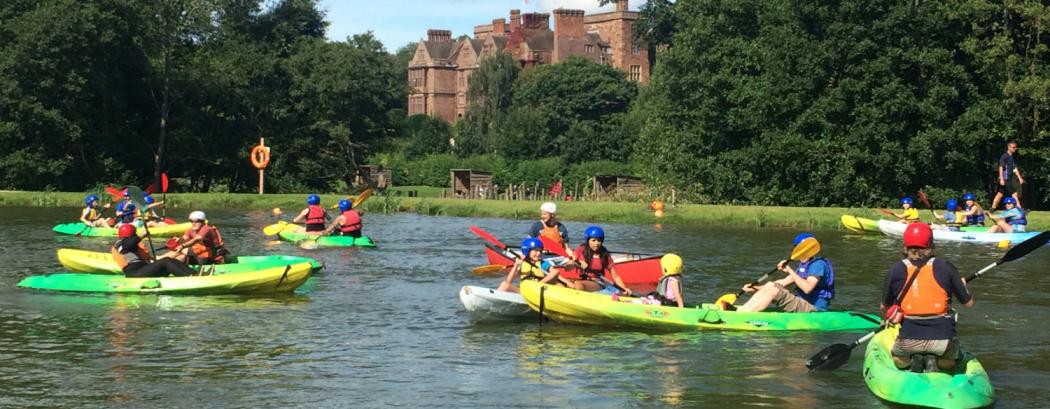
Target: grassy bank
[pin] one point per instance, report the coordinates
(619, 212)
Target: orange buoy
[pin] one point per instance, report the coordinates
(657, 205)
(277, 211)
(659, 214)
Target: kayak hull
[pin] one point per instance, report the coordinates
(263, 281)
(95, 262)
(488, 303)
(859, 224)
(633, 268)
(580, 307)
(896, 229)
(298, 237)
(83, 230)
(967, 387)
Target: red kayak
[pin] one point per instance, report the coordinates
(633, 268)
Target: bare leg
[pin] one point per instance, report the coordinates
(995, 201)
(761, 299)
(508, 287)
(586, 285)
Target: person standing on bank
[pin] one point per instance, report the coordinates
(1008, 169)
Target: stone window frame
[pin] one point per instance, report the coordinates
(588, 48)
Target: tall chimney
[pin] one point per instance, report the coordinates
(499, 27)
(536, 21)
(515, 19)
(621, 5)
(568, 23)
(439, 36)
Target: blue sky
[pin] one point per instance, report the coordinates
(398, 22)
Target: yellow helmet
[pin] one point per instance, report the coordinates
(671, 264)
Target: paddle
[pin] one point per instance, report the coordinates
(361, 197)
(926, 201)
(485, 235)
(275, 228)
(138, 199)
(488, 269)
(834, 356)
(887, 212)
(805, 249)
(554, 248)
(164, 194)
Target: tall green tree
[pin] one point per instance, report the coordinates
(489, 96)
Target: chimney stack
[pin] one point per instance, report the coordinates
(536, 21)
(499, 27)
(439, 36)
(621, 5)
(515, 19)
(568, 23)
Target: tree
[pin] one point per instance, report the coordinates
(489, 96)
(654, 28)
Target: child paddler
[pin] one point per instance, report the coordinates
(531, 268)
(134, 259)
(594, 262)
(953, 216)
(314, 215)
(91, 216)
(814, 281)
(348, 223)
(910, 214)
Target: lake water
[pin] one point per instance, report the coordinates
(384, 327)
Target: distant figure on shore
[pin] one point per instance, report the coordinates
(1008, 186)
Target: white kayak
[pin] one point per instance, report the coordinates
(896, 229)
(488, 303)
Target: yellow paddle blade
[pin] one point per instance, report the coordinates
(308, 244)
(274, 228)
(729, 299)
(489, 269)
(806, 249)
(362, 197)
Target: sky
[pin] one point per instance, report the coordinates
(398, 22)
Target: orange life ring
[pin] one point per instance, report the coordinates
(260, 156)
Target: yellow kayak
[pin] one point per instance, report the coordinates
(263, 281)
(860, 224)
(83, 230)
(95, 262)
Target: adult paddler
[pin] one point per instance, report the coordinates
(549, 228)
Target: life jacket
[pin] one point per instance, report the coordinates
(956, 219)
(925, 297)
(552, 232)
(138, 255)
(351, 221)
(529, 272)
(1017, 220)
(976, 218)
(596, 266)
(315, 215)
(92, 214)
(911, 215)
(825, 288)
(210, 247)
(663, 289)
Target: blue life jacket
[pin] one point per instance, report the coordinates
(824, 292)
(1022, 219)
(976, 218)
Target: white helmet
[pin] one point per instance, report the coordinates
(549, 207)
(197, 215)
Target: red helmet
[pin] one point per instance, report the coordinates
(126, 230)
(918, 235)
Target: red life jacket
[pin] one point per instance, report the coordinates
(315, 215)
(596, 266)
(351, 221)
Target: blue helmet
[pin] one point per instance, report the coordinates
(594, 232)
(313, 200)
(906, 200)
(530, 244)
(802, 236)
(1009, 200)
(149, 199)
(345, 205)
(91, 198)
(951, 205)
(969, 196)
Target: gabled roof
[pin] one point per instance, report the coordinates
(438, 49)
(540, 40)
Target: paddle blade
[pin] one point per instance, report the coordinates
(164, 182)
(275, 228)
(1026, 247)
(137, 197)
(489, 269)
(150, 188)
(805, 249)
(485, 235)
(551, 246)
(169, 220)
(829, 358)
(726, 299)
(116, 193)
(925, 200)
(362, 197)
(308, 244)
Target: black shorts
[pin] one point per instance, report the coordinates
(1005, 190)
(355, 234)
(312, 227)
(161, 268)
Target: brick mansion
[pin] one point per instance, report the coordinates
(439, 71)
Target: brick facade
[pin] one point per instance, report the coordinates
(440, 69)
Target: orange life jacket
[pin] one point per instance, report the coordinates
(209, 247)
(553, 233)
(925, 297)
(123, 262)
(351, 221)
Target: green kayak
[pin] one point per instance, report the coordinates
(569, 305)
(967, 387)
(260, 281)
(83, 261)
(326, 241)
(81, 229)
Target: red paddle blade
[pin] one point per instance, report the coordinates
(553, 247)
(116, 193)
(164, 182)
(925, 200)
(485, 235)
(150, 188)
